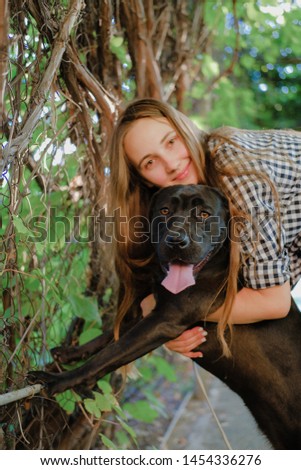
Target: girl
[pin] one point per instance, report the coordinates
(155, 146)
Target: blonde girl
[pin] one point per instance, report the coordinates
(155, 146)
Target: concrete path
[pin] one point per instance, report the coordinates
(195, 428)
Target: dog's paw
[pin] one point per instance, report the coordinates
(66, 355)
(62, 354)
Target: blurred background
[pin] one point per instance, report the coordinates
(66, 71)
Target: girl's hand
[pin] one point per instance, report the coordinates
(187, 341)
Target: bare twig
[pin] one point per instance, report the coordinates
(20, 142)
(4, 15)
(17, 395)
(105, 101)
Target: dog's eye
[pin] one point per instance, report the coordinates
(203, 214)
(164, 211)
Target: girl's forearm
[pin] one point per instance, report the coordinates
(252, 305)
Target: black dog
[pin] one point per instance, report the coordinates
(189, 233)
(186, 230)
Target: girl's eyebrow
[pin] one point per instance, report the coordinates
(165, 137)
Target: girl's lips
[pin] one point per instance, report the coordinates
(182, 175)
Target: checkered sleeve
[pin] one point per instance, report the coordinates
(265, 261)
(270, 245)
(262, 238)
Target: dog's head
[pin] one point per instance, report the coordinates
(188, 227)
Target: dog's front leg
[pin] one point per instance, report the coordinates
(67, 354)
(148, 334)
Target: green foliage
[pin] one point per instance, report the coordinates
(141, 411)
(98, 404)
(45, 210)
(107, 442)
(68, 400)
(102, 403)
(157, 364)
(264, 90)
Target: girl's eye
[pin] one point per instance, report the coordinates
(164, 211)
(172, 140)
(149, 163)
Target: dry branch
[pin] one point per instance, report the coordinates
(3, 54)
(17, 395)
(104, 100)
(20, 142)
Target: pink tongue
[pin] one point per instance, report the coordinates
(178, 277)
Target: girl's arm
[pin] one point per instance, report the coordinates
(249, 306)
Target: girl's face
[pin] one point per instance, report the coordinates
(158, 153)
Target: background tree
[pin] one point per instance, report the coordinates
(66, 70)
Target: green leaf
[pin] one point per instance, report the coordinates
(164, 368)
(67, 400)
(116, 41)
(107, 295)
(147, 372)
(252, 13)
(20, 227)
(107, 442)
(33, 284)
(141, 411)
(104, 402)
(92, 407)
(89, 334)
(198, 90)
(210, 66)
(128, 429)
(104, 386)
(120, 412)
(122, 438)
(99, 403)
(85, 308)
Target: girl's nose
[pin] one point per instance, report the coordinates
(171, 164)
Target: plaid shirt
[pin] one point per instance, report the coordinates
(276, 154)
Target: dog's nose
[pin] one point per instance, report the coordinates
(179, 239)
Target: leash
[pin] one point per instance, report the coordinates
(202, 386)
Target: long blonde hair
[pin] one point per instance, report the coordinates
(130, 195)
